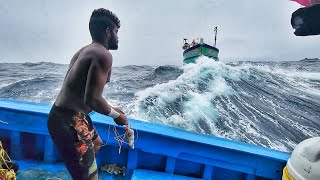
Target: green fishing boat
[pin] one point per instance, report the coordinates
(195, 50)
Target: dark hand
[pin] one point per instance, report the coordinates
(121, 120)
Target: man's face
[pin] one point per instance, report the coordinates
(114, 39)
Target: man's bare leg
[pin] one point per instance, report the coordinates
(97, 144)
(95, 177)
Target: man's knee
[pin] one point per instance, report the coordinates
(97, 144)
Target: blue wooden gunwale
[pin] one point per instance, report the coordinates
(158, 148)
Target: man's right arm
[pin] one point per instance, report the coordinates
(96, 80)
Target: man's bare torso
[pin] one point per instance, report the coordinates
(72, 92)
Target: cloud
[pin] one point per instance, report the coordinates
(152, 31)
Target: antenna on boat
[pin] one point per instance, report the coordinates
(215, 35)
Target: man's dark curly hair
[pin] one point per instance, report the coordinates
(100, 20)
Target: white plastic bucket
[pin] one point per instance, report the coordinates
(304, 163)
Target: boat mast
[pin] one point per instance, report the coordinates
(215, 35)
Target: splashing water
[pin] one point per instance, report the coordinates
(256, 103)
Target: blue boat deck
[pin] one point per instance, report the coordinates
(31, 170)
(159, 150)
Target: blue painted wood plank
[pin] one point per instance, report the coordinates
(170, 164)
(208, 172)
(16, 142)
(50, 153)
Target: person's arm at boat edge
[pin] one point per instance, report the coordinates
(96, 80)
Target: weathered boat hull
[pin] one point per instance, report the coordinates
(191, 54)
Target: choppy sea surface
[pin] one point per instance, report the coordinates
(272, 104)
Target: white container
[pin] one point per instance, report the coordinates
(304, 163)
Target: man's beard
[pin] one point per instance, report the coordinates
(113, 45)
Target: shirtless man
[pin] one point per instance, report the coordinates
(69, 125)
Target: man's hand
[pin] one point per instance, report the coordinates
(118, 110)
(121, 120)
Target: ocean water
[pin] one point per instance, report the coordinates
(272, 104)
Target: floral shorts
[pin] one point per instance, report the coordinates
(73, 134)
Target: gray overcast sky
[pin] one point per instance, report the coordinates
(151, 31)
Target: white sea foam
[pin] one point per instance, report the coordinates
(195, 103)
(202, 99)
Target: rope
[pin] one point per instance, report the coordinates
(108, 138)
(3, 122)
(119, 137)
(8, 173)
